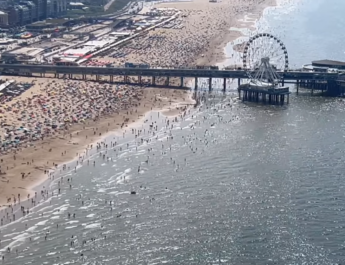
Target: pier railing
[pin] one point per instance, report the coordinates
(27, 69)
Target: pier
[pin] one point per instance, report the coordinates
(29, 69)
(330, 83)
(274, 96)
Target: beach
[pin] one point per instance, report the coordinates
(198, 36)
(223, 182)
(27, 166)
(50, 103)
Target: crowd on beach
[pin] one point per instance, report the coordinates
(107, 150)
(203, 30)
(54, 107)
(51, 110)
(17, 206)
(57, 105)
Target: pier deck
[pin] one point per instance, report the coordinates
(316, 80)
(275, 96)
(163, 72)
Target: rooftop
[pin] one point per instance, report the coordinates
(27, 51)
(76, 4)
(124, 17)
(328, 63)
(96, 43)
(56, 21)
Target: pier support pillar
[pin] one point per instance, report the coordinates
(139, 79)
(210, 84)
(312, 84)
(41, 74)
(111, 79)
(224, 85)
(168, 81)
(181, 81)
(153, 80)
(196, 83)
(239, 81)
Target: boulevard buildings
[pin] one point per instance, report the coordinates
(23, 12)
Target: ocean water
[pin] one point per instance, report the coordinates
(230, 183)
(310, 30)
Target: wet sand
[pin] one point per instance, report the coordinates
(204, 33)
(27, 166)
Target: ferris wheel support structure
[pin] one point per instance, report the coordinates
(264, 55)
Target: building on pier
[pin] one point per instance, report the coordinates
(329, 66)
(264, 85)
(265, 93)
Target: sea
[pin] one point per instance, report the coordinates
(229, 183)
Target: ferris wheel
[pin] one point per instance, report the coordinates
(263, 56)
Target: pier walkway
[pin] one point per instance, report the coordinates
(158, 72)
(328, 82)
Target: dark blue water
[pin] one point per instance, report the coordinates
(231, 183)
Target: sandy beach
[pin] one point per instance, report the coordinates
(201, 32)
(31, 163)
(55, 120)
(125, 173)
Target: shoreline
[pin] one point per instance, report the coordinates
(167, 113)
(75, 144)
(219, 55)
(237, 33)
(40, 174)
(216, 54)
